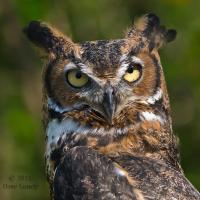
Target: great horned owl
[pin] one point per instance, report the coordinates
(107, 116)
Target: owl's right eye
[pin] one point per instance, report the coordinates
(76, 78)
(133, 73)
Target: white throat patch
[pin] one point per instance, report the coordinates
(56, 130)
(149, 116)
(59, 129)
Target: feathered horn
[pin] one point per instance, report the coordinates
(48, 38)
(148, 26)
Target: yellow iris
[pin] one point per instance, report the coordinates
(132, 74)
(76, 78)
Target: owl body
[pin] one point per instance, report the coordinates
(107, 116)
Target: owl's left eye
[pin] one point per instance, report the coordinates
(76, 78)
(133, 73)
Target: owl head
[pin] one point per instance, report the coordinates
(105, 82)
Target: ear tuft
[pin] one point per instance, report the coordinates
(152, 21)
(145, 24)
(40, 34)
(48, 38)
(150, 29)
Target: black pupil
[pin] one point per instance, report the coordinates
(130, 70)
(133, 67)
(78, 75)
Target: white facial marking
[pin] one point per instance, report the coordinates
(137, 60)
(123, 58)
(52, 105)
(149, 116)
(69, 66)
(152, 99)
(85, 69)
(122, 69)
(119, 171)
(157, 96)
(125, 63)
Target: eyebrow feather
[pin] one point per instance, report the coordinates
(125, 62)
(85, 69)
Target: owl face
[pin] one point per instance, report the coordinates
(106, 77)
(99, 81)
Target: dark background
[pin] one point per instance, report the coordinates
(21, 134)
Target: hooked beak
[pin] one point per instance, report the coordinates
(109, 104)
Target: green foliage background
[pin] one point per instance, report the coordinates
(21, 134)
